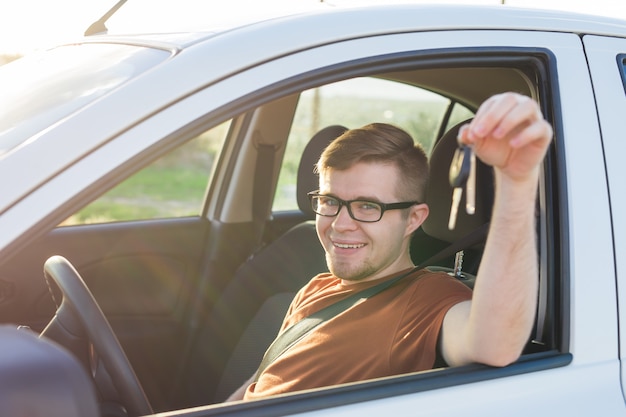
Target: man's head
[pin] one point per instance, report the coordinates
(380, 164)
(385, 144)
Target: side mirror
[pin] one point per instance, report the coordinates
(39, 378)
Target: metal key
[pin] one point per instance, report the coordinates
(470, 186)
(462, 169)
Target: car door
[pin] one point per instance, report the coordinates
(608, 71)
(146, 268)
(140, 248)
(573, 347)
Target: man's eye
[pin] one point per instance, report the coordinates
(368, 206)
(328, 201)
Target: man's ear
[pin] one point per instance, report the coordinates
(417, 216)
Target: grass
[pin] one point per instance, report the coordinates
(151, 193)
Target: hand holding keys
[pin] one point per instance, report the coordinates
(462, 174)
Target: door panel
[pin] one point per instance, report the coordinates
(142, 274)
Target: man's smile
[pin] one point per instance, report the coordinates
(348, 245)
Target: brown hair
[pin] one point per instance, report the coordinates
(381, 143)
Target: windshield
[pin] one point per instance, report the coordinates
(43, 88)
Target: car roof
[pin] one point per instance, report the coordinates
(344, 22)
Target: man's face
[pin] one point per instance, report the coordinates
(357, 251)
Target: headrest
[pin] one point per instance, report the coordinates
(439, 193)
(307, 179)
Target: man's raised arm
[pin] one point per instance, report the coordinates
(510, 134)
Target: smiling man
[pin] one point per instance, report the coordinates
(369, 166)
(372, 183)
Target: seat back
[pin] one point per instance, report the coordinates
(434, 234)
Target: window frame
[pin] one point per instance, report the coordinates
(553, 230)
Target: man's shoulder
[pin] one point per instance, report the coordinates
(319, 282)
(436, 279)
(323, 279)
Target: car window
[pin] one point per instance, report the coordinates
(67, 79)
(354, 103)
(458, 114)
(172, 186)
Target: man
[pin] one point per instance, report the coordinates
(372, 182)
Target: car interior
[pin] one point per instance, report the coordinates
(195, 299)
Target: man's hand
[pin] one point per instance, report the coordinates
(510, 134)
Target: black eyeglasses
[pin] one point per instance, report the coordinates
(360, 210)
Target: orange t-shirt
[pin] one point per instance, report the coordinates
(393, 332)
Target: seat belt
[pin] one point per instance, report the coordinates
(297, 331)
(261, 196)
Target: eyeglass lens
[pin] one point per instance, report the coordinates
(367, 211)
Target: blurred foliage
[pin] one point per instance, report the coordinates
(172, 186)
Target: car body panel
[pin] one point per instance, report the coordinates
(524, 390)
(607, 70)
(210, 78)
(579, 129)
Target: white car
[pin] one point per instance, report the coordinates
(171, 171)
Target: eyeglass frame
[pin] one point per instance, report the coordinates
(383, 206)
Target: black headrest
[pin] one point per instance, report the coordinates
(307, 179)
(439, 193)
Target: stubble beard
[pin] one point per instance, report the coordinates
(348, 271)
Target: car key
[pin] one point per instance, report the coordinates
(460, 169)
(470, 186)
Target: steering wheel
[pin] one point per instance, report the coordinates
(78, 313)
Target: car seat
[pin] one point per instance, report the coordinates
(249, 313)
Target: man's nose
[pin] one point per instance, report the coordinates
(343, 219)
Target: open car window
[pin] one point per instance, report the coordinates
(172, 186)
(332, 103)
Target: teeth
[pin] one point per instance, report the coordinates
(346, 246)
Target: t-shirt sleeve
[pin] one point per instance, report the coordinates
(418, 331)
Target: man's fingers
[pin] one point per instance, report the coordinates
(489, 115)
(540, 131)
(523, 114)
(501, 115)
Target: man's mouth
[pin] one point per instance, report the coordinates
(348, 245)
